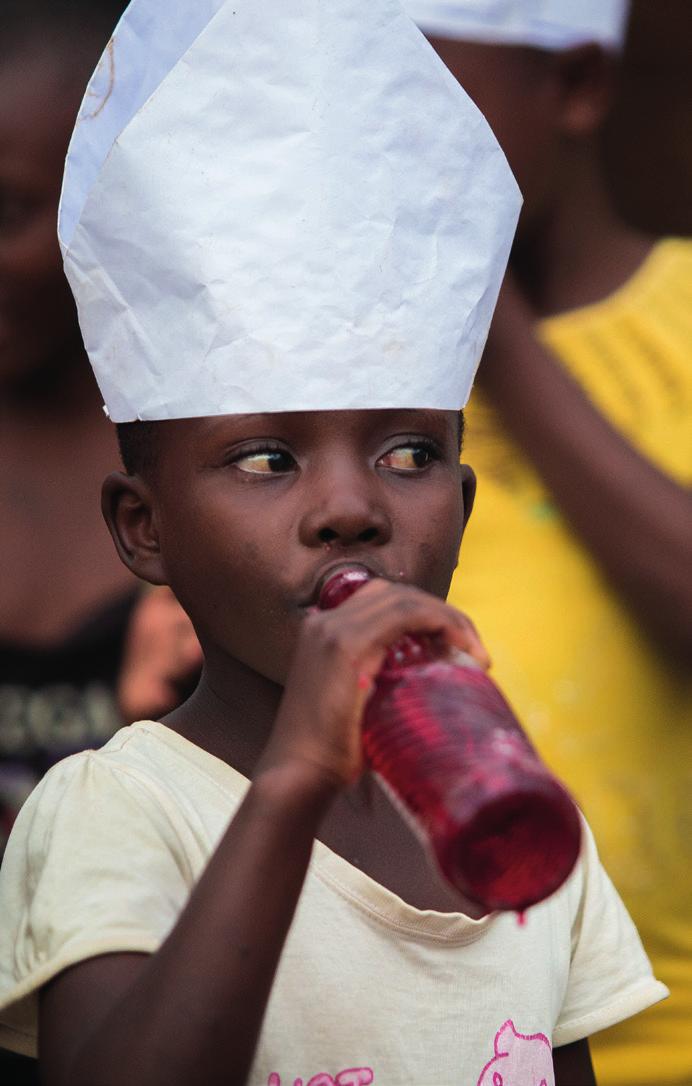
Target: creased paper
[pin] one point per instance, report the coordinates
(281, 206)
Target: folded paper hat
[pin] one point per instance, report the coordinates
(286, 205)
(546, 24)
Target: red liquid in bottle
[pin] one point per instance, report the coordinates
(445, 742)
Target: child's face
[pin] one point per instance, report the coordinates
(251, 511)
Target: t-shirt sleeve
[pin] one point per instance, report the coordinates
(610, 976)
(95, 864)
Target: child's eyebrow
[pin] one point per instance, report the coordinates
(234, 427)
(215, 422)
(425, 417)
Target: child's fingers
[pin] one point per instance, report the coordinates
(464, 635)
(378, 614)
(475, 646)
(338, 656)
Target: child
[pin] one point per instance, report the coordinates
(584, 405)
(259, 215)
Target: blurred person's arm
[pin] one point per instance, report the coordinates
(162, 658)
(635, 520)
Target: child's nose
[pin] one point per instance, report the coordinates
(345, 514)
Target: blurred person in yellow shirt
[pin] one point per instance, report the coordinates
(580, 430)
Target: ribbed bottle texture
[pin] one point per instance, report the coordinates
(442, 737)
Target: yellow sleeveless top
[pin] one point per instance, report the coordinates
(605, 708)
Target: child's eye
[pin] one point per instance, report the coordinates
(265, 461)
(412, 456)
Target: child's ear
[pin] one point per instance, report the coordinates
(468, 490)
(128, 509)
(587, 76)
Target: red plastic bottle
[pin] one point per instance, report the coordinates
(445, 742)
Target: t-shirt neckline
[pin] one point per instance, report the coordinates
(365, 893)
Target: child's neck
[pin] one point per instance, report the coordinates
(230, 714)
(582, 251)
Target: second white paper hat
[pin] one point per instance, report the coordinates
(285, 205)
(546, 24)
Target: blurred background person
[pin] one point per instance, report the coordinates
(580, 430)
(63, 642)
(162, 658)
(62, 623)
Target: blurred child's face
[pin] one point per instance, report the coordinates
(39, 97)
(541, 105)
(516, 90)
(252, 511)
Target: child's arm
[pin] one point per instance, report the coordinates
(192, 1011)
(572, 1065)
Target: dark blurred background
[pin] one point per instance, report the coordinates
(649, 138)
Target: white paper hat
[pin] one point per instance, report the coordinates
(281, 205)
(547, 24)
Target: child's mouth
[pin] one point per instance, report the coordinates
(361, 569)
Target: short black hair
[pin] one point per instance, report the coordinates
(49, 22)
(138, 446)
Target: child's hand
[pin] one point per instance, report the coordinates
(338, 655)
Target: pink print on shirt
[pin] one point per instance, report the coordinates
(353, 1076)
(519, 1060)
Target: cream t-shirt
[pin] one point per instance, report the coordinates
(104, 855)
